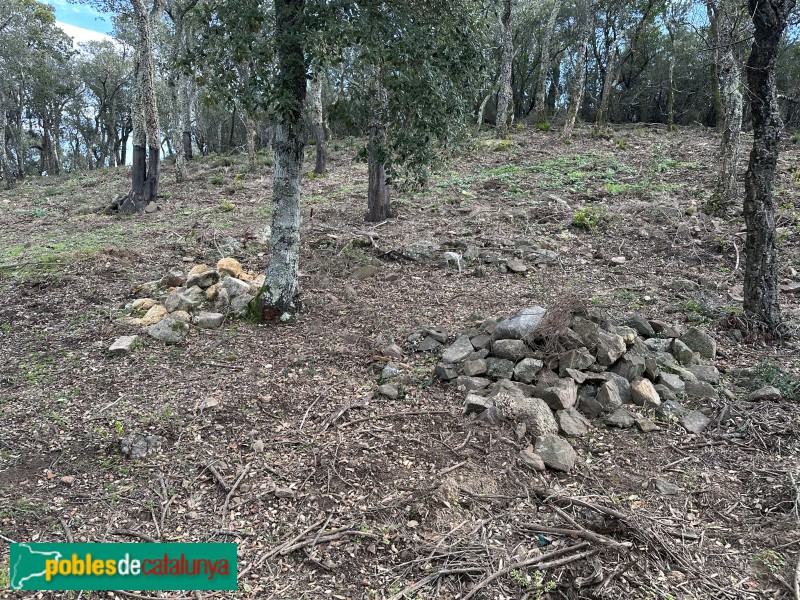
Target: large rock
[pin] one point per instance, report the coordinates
(202, 279)
(471, 384)
(641, 325)
(578, 359)
(608, 396)
(445, 372)
(154, 314)
(458, 350)
(766, 394)
(670, 410)
(631, 366)
(476, 404)
(229, 267)
(527, 369)
(621, 418)
(123, 345)
(682, 353)
(499, 368)
(511, 349)
(531, 459)
(169, 330)
(563, 394)
(572, 423)
(623, 385)
(700, 390)
(700, 341)
(240, 306)
(673, 382)
(520, 325)
(695, 422)
(474, 367)
(707, 373)
(421, 250)
(185, 300)
(235, 287)
(209, 320)
(556, 452)
(536, 415)
(607, 347)
(644, 394)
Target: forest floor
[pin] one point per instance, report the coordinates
(340, 492)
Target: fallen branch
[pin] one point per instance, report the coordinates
(332, 537)
(135, 534)
(397, 415)
(580, 533)
(536, 560)
(218, 476)
(433, 577)
(232, 492)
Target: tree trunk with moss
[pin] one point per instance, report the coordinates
(378, 203)
(761, 261)
(5, 171)
(506, 65)
(539, 103)
(576, 90)
(318, 125)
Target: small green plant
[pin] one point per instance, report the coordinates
(588, 218)
(770, 373)
(118, 427)
(772, 561)
(37, 213)
(544, 126)
(239, 176)
(217, 179)
(622, 144)
(795, 137)
(226, 206)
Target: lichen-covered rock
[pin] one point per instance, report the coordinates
(700, 341)
(169, 330)
(229, 267)
(556, 452)
(520, 325)
(572, 423)
(459, 350)
(513, 350)
(644, 394)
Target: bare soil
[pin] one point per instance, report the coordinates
(347, 494)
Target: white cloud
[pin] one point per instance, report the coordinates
(79, 34)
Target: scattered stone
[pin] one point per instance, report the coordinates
(673, 382)
(202, 279)
(520, 325)
(209, 320)
(766, 394)
(235, 287)
(556, 452)
(516, 266)
(389, 391)
(437, 334)
(572, 423)
(123, 344)
(684, 285)
(476, 404)
(564, 394)
(536, 415)
(135, 445)
(474, 367)
(458, 350)
(645, 425)
(531, 459)
(421, 250)
(631, 366)
(665, 488)
(695, 422)
(392, 351)
(240, 306)
(527, 369)
(173, 279)
(169, 330)
(366, 272)
(578, 359)
(621, 418)
(608, 396)
(143, 304)
(472, 384)
(428, 345)
(151, 207)
(700, 341)
(617, 261)
(182, 316)
(258, 446)
(670, 410)
(644, 394)
(229, 267)
(154, 314)
(499, 368)
(184, 300)
(682, 353)
(445, 372)
(707, 373)
(482, 341)
(390, 370)
(511, 349)
(641, 325)
(700, 390)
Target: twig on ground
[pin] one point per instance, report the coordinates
(232, 492)
(305, 416)
(67, 532)
(397, 415)
(135, 534)
(218, 476)
(7, 539)
(433, 577)
(222, 365)
(581, 533)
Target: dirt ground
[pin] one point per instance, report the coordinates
(276, 439)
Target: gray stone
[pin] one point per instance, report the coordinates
(623, 386)
(531, 459)
(646, 425)
(556, 452)
(609, 347)
(209, 320)
(474, 367)
(577, 376)
(700, 341)
(181, 315)
(458, 350)
(527, 369)
(203, 279)
(651, 370)
(516, 266)
(223, 301)
(665, 488)
(499, 368)
(564, 394)
(389, 391)
(445, 372)
(578, 359)
(682, 353)
(665, 393)
(694, 422)
(478, 355)
(641, 325)
(481, 341)
(235, 287)
(240, 306)
(572, 423)
(707, 373)
(511, 349)
(608, 396)
(589, 406)
(658, 344)
(123, 344)
(520, 325)
(536, 415)
(491, 416)
(700, 390)
(471, 384)
(184, 300)
(670, 410)
(476, 404)
(621, 418)
(630, 366)
(429, 344)
(421, 250)
(766, 394)
(135, 445)
(644, 394)
(437, 334)
(673, 382)
(390, 370)
(684, 285)
(169, 330)
(173, 279)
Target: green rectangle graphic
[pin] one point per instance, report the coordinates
(123, 566)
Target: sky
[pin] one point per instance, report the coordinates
(81, 21)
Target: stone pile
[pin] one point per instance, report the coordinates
(552, 379)
(168, 307)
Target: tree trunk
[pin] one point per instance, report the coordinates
(378, 206)
(251, 140)
(146, 129)
(576, 93)
(613, 70)
(319, 126)
(5, 172)
(280, 296)
(539, 102)
(712, 9)
(178, 130)
(761, 260)
(506, 64)
(552, 92)
(730, 70)
(670, 72)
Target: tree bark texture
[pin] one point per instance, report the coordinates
(761, 260)
(544, 64)
(576, 90)
(5, 171)
(378, 204)
(712, 10)
(318, 125)
(506, 64)
(280, 296)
